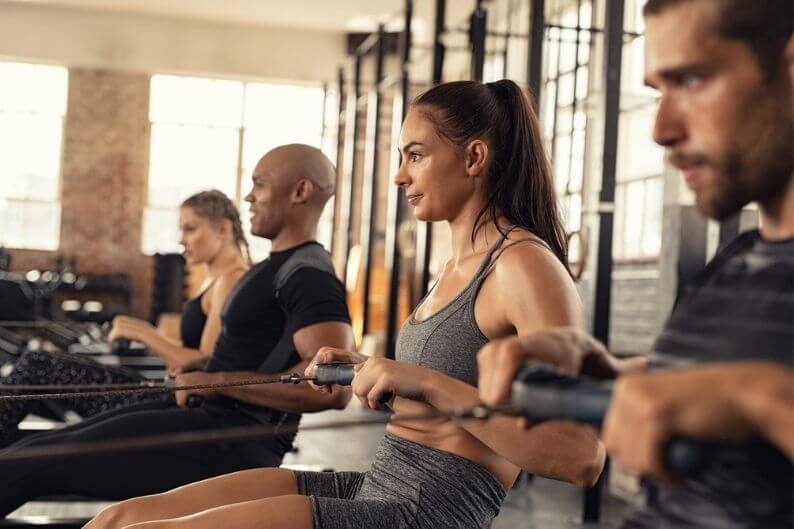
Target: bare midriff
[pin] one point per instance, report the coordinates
(447, 436)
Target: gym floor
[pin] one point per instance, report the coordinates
(539, 504)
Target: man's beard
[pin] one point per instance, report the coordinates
(762, 178)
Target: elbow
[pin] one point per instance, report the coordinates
(591, 467)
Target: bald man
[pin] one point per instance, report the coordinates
(274, 321)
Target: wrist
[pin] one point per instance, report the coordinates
(219, 377)
(755, 392)
(430, 383)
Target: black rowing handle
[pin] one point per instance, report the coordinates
(542, 393)
(333, 374)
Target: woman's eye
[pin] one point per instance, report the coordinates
(415, 156)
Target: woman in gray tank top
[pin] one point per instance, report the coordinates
(472, 157)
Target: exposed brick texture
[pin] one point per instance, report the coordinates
(104, 179)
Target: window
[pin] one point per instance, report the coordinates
(32, 110)
(209, 133)
(564, 114)
(639, 184)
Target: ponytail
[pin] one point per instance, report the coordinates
(215, 205)
(519, 184)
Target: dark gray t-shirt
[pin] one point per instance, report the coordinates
(741, 307)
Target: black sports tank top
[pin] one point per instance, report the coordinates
(191, 326)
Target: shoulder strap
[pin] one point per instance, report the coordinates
(310, 256)
(500, 247)
(489, 257)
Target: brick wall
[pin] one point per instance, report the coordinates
(104, 179)
(637, 311)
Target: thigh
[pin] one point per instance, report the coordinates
(52, 367)
(237, 487)
(127, 474)
(283, 512)
(64, 434)
(342, 485)
(392, 513)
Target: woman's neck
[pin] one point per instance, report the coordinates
(463, 226)
(229, 258)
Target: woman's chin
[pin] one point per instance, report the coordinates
(423, 215)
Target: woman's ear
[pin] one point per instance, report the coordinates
(225, 228)
(476, 157)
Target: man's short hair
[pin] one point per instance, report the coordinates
(764, 25)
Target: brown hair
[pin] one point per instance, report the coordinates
(764, 25)
(519, 183)
(215, 205)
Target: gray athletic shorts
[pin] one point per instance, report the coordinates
(409, 486)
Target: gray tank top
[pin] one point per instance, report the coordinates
(448, 341)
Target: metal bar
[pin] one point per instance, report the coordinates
(556, 106)
(438, 44)
(507, 36)
(477, 29)
(537, 29)
(369, 193)
(575, 99)
(603, 284)
(351, 155)
(396, 196)
(593, 29)
(370, 42)
(424, 230)
(340, 146)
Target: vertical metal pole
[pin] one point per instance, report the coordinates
(340, 145)
(574, 105)
(396, 196)
(613, 34)
(537, 28)
(351, 155)
(477, 33)
(508, 36)
(439, 50)
(369, 205)
(424, 230)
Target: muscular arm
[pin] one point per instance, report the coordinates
(298, 397)
(768, 403)
(728, 402)
(172, 353)
(169, 351)
(537, 294)
(555, 449)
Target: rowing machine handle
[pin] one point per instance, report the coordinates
(333, 374)
(542, 393)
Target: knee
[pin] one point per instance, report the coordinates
(116, 516)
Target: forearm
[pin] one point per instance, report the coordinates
(767, 401)
(295, 398)
(630, 364)
(554, 449)
(172, 353)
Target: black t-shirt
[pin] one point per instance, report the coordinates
(741, 307)
(267, 307)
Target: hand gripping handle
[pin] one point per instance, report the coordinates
(542, 393)
(333, 374)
